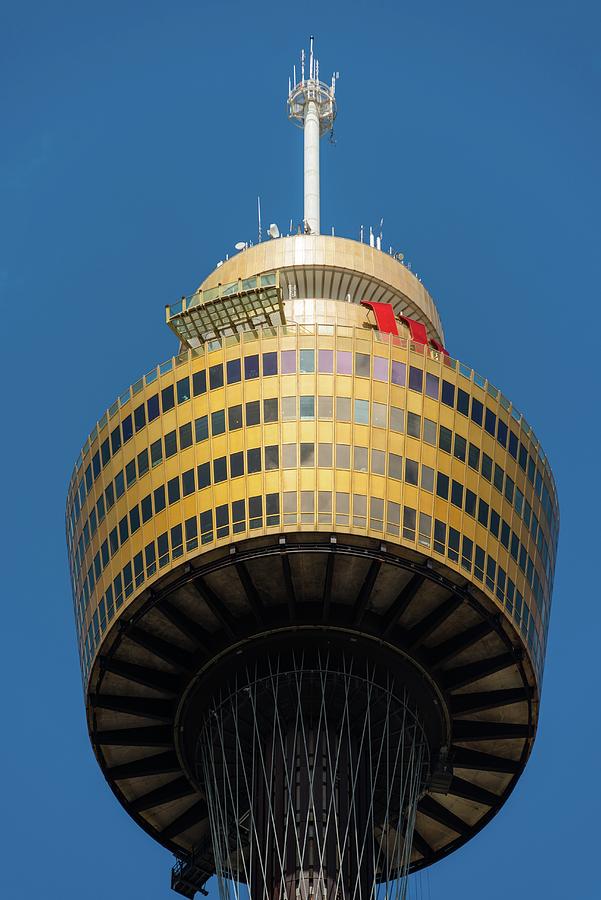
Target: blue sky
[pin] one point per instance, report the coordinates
(135, 139)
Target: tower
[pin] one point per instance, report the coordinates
(312, 561)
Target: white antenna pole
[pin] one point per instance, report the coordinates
(302, 64)
(294, 71)
(259, 216)
(311, 73)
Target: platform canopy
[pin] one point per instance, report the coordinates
(242, 305)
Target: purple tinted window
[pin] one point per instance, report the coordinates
(416, 377)
(326, 361)
(288, 362)
(344, 362)
(270, 363)
(432, 385)
(380, 368)
(399, 371)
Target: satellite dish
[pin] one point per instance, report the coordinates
(241, 245)
(399, 256)
(273, 231)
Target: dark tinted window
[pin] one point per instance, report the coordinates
(159, 499)
(115, 439)
(170, 444)
(448, 393)
(477, 411)
(463, 402)
(490, 421)
(183, 390)
(219, 469)
(253, 413)
(127, 428)
(173, 491)
(203, 472)
(270, 363)
(270, 410)
(201, 428)
(442, 485)
(199, 383)
(237, 464)
(140, 417)
(167, 398)
(185, 436)
(234, 417)
(152, 405)
(216, 376)
(251, 366)
(233, 371)
(188, 482)
(253, 460)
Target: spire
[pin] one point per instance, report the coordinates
(312, 106)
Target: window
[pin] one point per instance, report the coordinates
(233, 371)
(325, 361)
(163, 547)
(191, 527)
(380, 368)
(427, 478)
(440, 536)
(397, 419)
(448, 393)
(395, 466)
(307, 499)
(139, 417)
(156, 452)
(307, 454)
(288, 409)
(183, 390)
(473, 457)
(361, 412)
(360, 459)
(237, 464)
(409, 516)
(414, 423)
(272, 509)
(127, 429)
(147, 508)
(270, 407)
(430, 432)
(463, 402)
(477, 411)
(509, 485)
(167, 398)
(470, 502)
(253, 460)
(203, 475)
(495, 521)
(115, 439)
(206, 526)
(362, 366)
(490, 421)
(170, 444)
(272, 457)
(324, 507)
(270, 363)
(216, 376)
(344, 362)
(307, 407)
(201, 428)
(289, 456)
(238, 516)
(513, 445)
(442, 485)
(288, 359)
(343, 409)
(134, 519)
(498, 478)
(324, 455)
(253, 413)
(251, 367)
(219, 470)
(324, 407)
(289, 507)
(411, 471)
(444, 438)
(222, 520)
(185, 436)
(393, 517)
(502, 433)
(425, 529)
(119, 484)
(359, 510)
(343, 456)
(152, 406)
(486, 466)
(416, 377)
(453, 544)
(130, 472)
(398, 373)
(432, 383)
(457, 494)
(123, 530)
(467, 552)
(199, 383)
(378, 462)
(188, 482)
(376, 514)
(218, 422)
(483, 510)
(307, 360)
(379, 415)
(173, 492)
(460, 447)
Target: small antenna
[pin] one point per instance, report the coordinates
(361, 234)
(259, 217)
(311, 71)
(294, 72)
(303, 64)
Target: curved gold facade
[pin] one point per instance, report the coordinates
(317, 434)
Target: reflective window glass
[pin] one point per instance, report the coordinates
(270, 363)
(183, 390)
(307, 360)
(167, 398)
(251, 367)
(233, 371)
(216, 376)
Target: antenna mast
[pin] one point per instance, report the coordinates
(312, 106)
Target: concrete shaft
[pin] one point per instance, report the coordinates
(311, 131)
